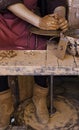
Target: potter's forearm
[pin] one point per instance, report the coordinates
(25, 14)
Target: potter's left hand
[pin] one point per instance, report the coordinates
(63, 24)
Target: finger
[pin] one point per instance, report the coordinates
(52, 23)
(53, 15)
(52, 28)
(52, 20)
(62, 20)
(63, 23)
(49, 27)
(64, 26)
(64, 29)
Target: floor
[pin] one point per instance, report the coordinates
(67, 86)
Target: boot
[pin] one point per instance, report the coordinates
(39, 100)
(6, 108)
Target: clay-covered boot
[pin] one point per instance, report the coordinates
(6, 108)
(39, 100)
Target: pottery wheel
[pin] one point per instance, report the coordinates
(65, 118)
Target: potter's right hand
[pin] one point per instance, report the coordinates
(49, 22)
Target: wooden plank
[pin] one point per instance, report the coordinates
(51, 62)
(76, 59)
(37, 62)
(23, 63)
(59, 67)
(68, 61)
(67, 65)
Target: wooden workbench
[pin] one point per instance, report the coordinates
(37, 62)
(40, 62)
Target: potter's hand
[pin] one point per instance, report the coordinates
(63, 24)
(49, 22)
